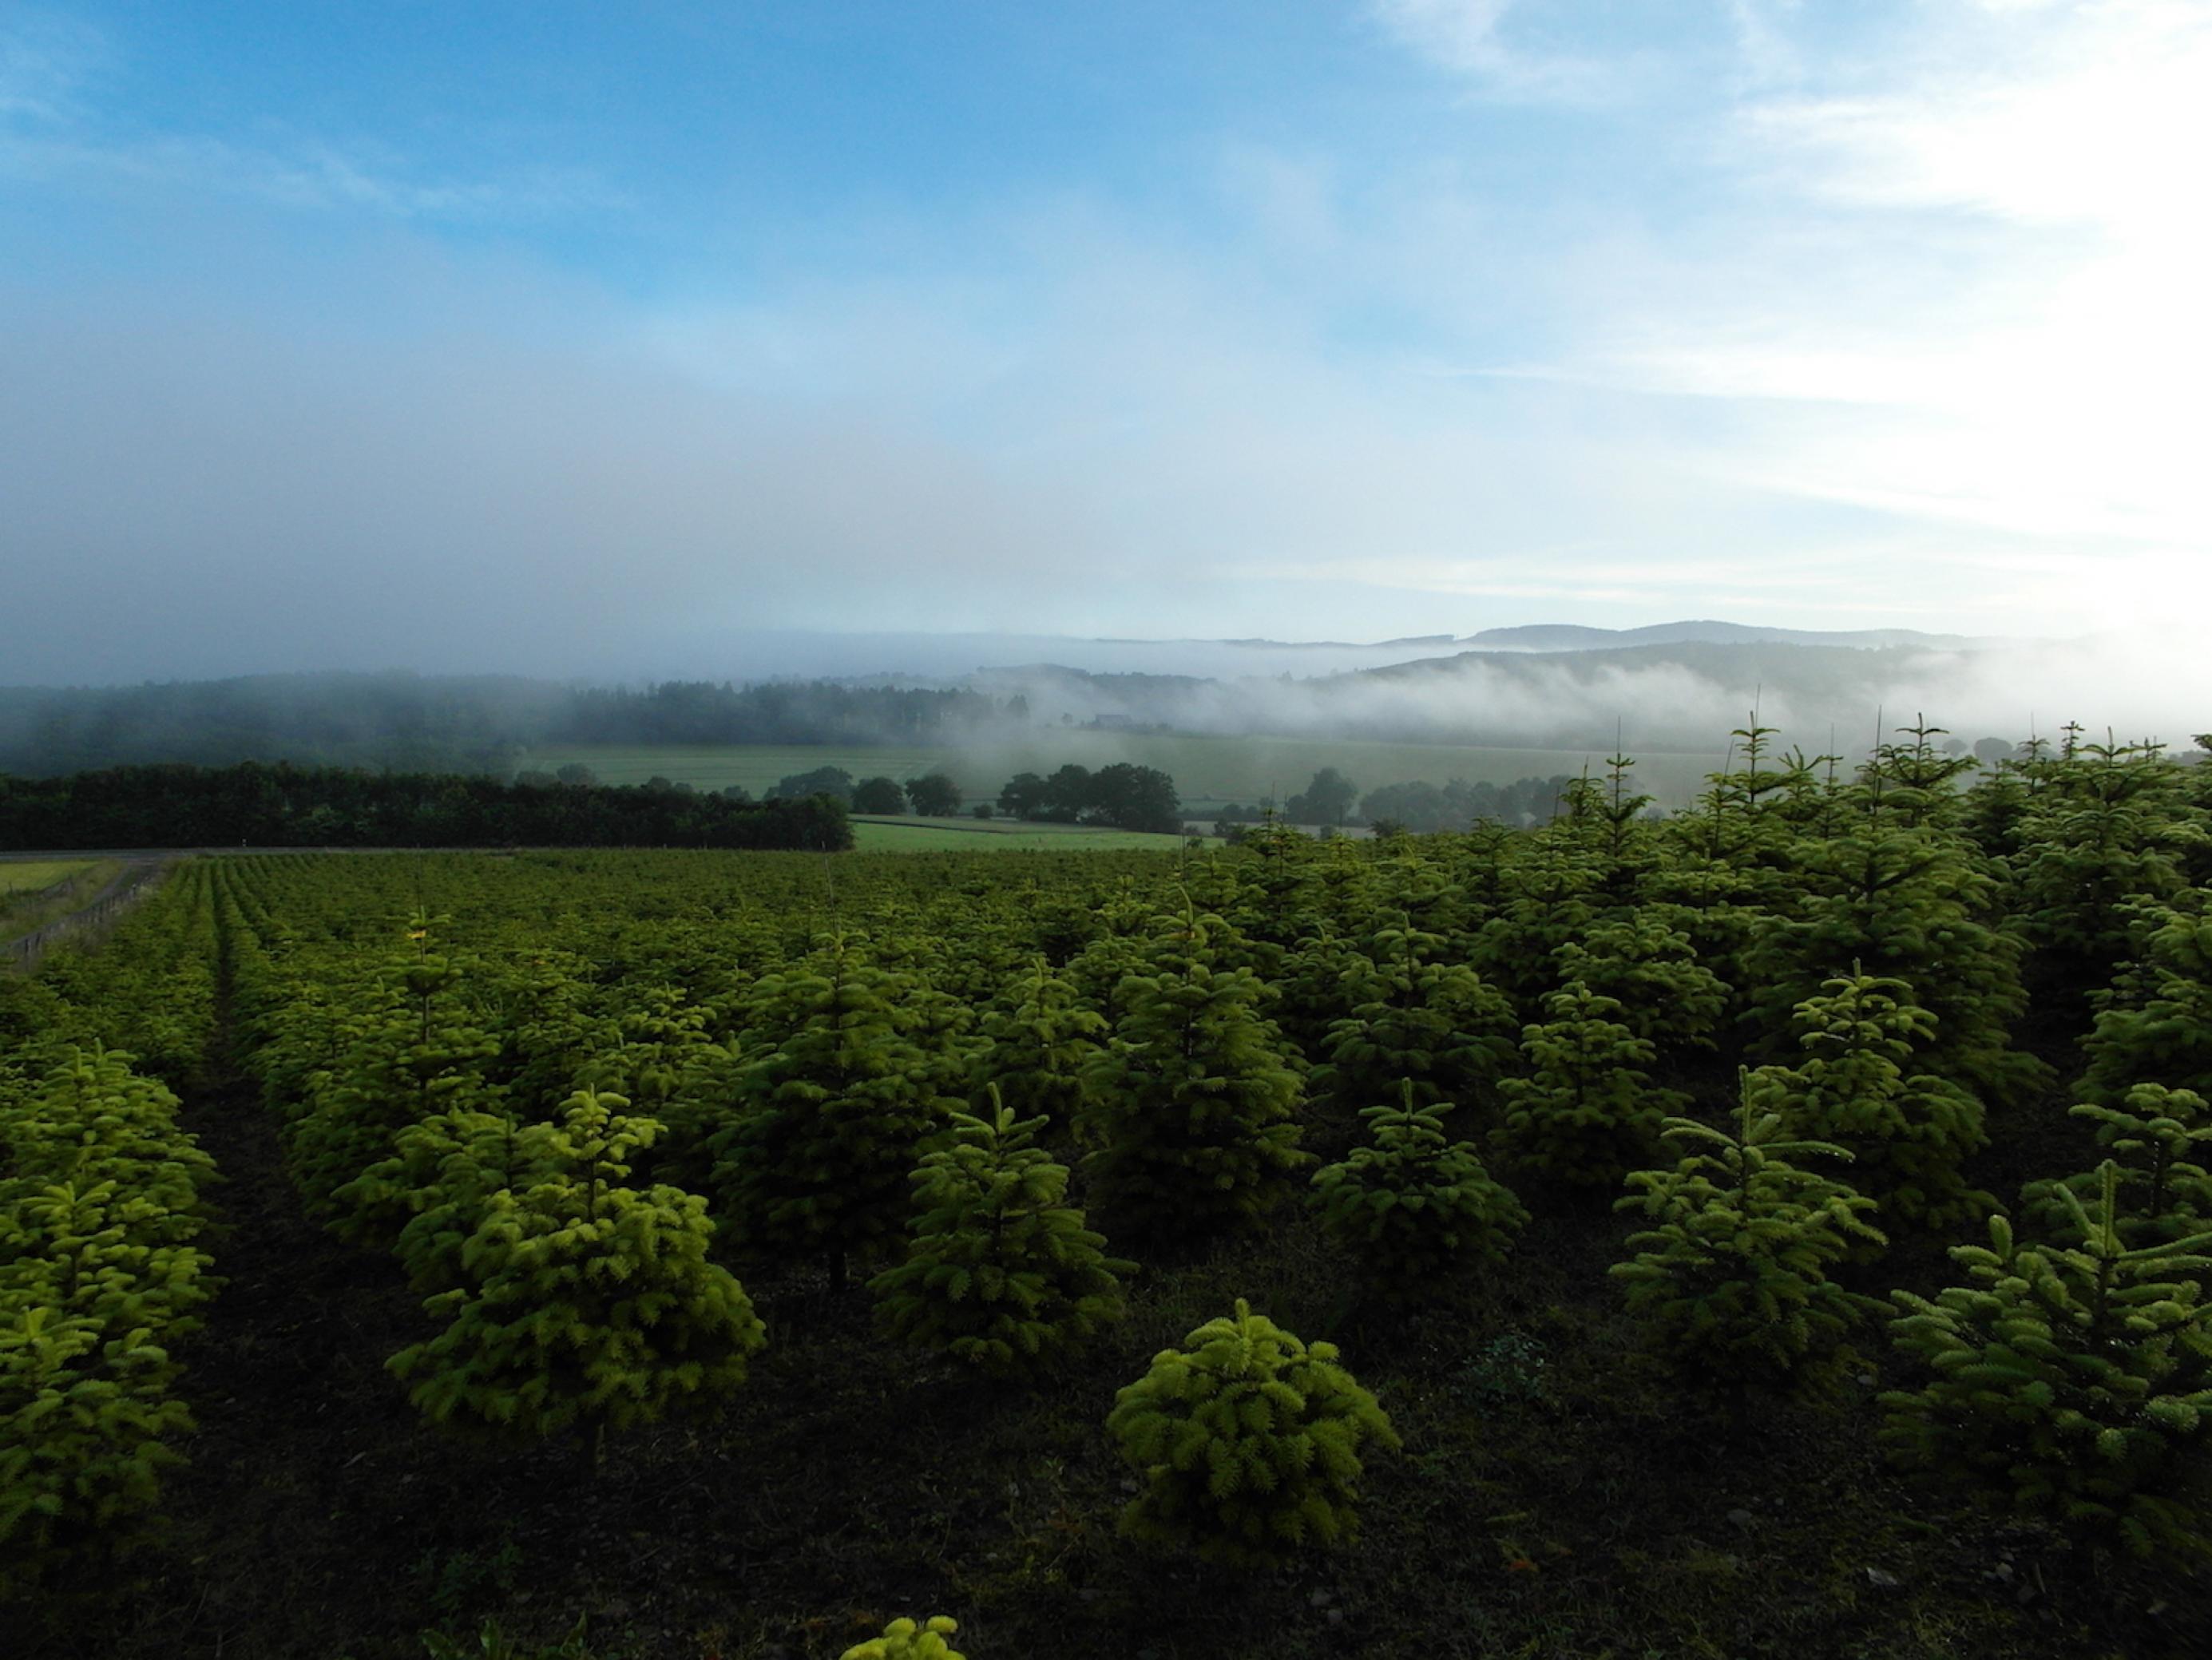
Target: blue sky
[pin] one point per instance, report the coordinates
(577, 339)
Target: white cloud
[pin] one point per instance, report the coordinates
(1768, 56)
(1467, 38)
(1966, 294)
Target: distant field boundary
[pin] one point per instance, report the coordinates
(883, 833)
(1209, 772)
(133, 883)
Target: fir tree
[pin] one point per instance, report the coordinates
(1417, 1018)
(431, 1194)
(1552, 896)
(1910, 1133)
(902, 1639)
(1909, 906)
(1651, 970)
(1586, 1113)
(2155, 1024)
(830, 1105)
(92, 1119)
(1914, 784)
(2158, 1139)
(587, 1304)
(85, 1415)
(1733, 1279)
(413, 1052)
(1247, 1443)
(2103, 836)
(2075, 1380)
(1000, 1273)
(1035, 1044)
(1416, 1212)
(1194, 1126)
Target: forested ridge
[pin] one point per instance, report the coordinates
(476, 724)
(1783, 1229)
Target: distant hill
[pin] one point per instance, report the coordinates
(1573, 636)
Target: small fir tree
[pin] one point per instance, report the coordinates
(85, 1416)
(91, 1119)
(1415, 1018)
(1913, 906)
(2155, 1024)
(413, 1052)
(1035, 1044)
(1417, 1212)
(1651, 970)
(2158, 1138)
(588, 1306)
(1910, 1133)
(1247, 1443)
(441, 1177)
(1000, 1273)
(902, 1639)
(2105, 834)
(1586, 1113)
(2074, 1379)
(1194, 1125)
(1732, 1280)
(830, 1106)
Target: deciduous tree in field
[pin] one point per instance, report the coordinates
(1022, 796)
(823, 780)
(879, 795)
(1326, 800)
(933, 795)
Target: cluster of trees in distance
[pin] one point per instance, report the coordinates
(1123, 795)
(258, 806)
(1333, 800)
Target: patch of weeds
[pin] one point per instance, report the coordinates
(493, 1643)
(1511, 1368)
(452, 1581)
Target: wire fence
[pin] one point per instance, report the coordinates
(119, 896)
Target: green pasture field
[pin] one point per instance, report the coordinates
(29, 875)
(882, 835)
(1209, 772)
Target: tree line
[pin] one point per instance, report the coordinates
(284, 806)
(1332, 801)
(1120, 796)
